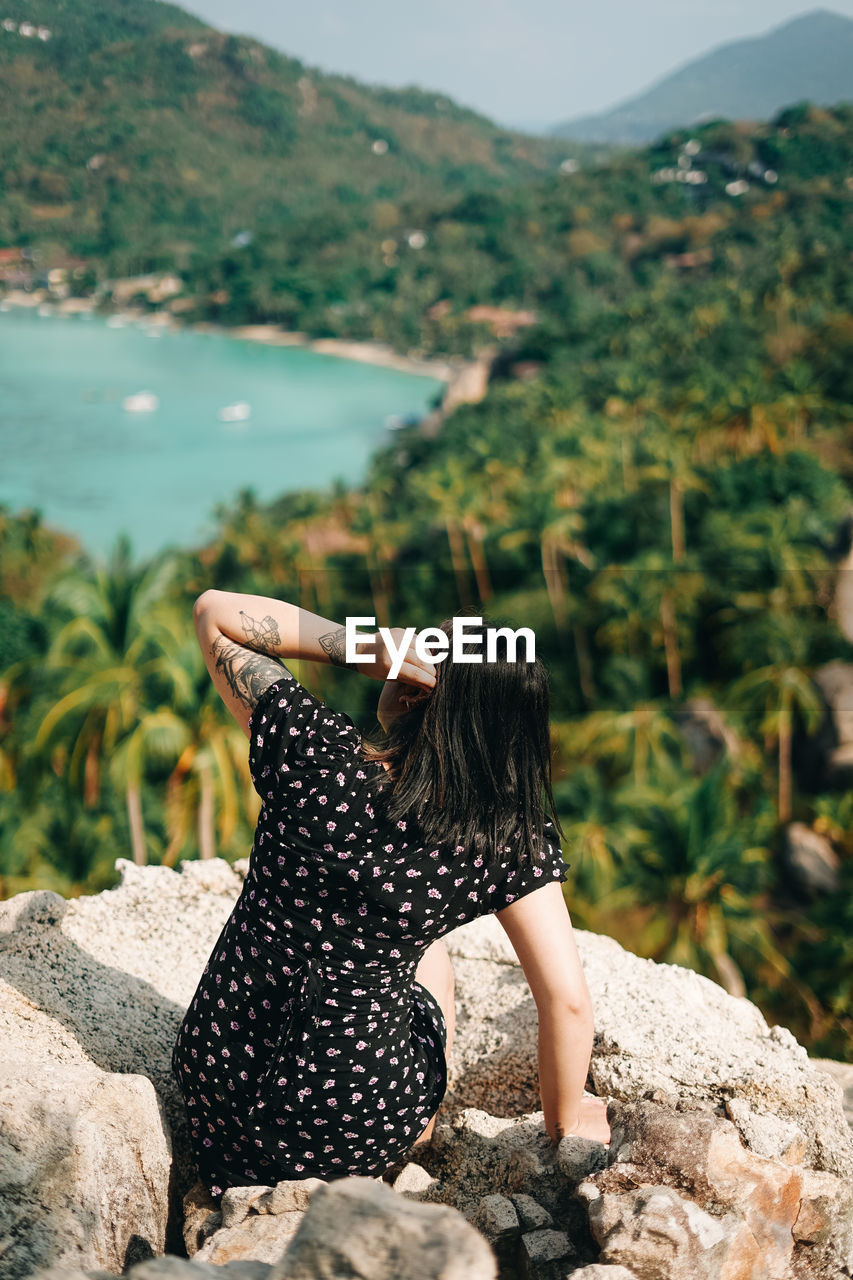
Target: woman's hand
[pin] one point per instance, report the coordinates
(592, 1123)
(414, 670)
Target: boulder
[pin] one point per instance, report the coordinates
(662, 1235)
(359, 1229)
(705, 732)
(825, 759)
(703, 1153)
(85, 1152)
(657, 1027)
(824, 1223)
(413, 1180)
(730, 1155)
(256, 1223)
(810, 860)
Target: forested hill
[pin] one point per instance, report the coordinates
(132, 123)
(810, 58)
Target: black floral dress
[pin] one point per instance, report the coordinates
(309, 1049)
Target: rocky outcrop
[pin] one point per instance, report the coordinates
(730, 1157)
(706, 732)
(809, 859)
(824, 759)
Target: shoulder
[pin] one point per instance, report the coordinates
(291, 729)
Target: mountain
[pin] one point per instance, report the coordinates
(810, 58)
(133, 131)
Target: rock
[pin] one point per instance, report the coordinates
(579, 1157)
(658, 1026)
(661, 1235)
(768, 1135)
(480, 1154)
(359, 1229)
(202, 1217)
(65, 1271)
(531, 1214)
(84, 1155)
(587, 1191)
(91, 993)
(705, 732)
(603, 1271)
(810, 860)
(259, 1237)
(545, 1254)
(413, 1180)
(825, 759)
(170, 1267)
(842, 1074)
(237, 1202)
(496, 1219)
(825, 1223)
(706, 1153)
(256, 1222)
(286, 1197)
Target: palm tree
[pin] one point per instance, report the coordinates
(446, 489)
(650, 603)
(205, 784)
(671, 463)
(776, 694)
(641, 739)
(115, 659)
(692, 855)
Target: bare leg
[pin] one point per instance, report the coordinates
(435, 972)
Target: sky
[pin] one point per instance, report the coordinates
(533, 63)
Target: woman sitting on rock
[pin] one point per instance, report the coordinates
(316, 1042)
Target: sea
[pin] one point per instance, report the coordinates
(215, 415)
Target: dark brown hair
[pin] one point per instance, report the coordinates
(472, 759)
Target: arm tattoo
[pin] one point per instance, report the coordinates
(334, 643)
(263, 636)
(248, 674)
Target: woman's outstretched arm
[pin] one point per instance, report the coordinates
(244, 637)
(540, 930)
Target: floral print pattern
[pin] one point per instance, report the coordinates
(309, 1049)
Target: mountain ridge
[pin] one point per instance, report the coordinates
(809, 58)
(131, 108)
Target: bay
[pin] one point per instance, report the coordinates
(69, 449)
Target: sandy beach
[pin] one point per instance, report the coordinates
(375, 353)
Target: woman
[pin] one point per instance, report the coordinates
(317, 1039)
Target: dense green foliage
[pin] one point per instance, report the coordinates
(654, 482)
(138, 137)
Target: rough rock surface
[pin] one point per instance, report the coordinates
(359, 1228)
(731, 1157)
(657, 1026)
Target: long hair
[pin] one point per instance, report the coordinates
(472, 759)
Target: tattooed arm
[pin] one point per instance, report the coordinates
(242, 638)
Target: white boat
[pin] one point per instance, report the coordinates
(141, 402)
(239, 412)
(396, 421)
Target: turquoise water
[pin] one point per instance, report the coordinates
(69, 449)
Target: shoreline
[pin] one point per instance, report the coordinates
(364, 352)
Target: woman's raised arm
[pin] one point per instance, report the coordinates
(242, 637)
